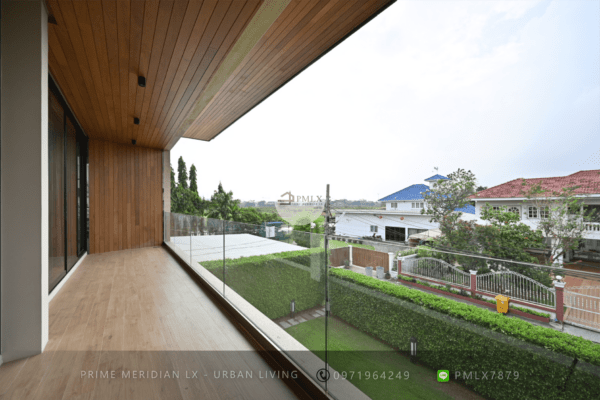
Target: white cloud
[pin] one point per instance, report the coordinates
(514, 9)
(476, 85)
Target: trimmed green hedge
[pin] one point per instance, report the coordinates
(461, 337)
(270, 282)
(305, 239)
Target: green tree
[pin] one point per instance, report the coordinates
(441, 202)
(182, 201)
(506, 237)
(199, 203)
(193, 179)
(182, 176)
(562, 217)
(223, 206)
(173, 185)
(319, 226)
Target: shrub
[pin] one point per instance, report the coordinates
(463, 337)
(308, 240)
(410, 252)
(560, 342)
(527, 310)
(424, 251)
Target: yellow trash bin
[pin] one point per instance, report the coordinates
(502, 303)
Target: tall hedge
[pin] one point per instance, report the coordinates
(270, 282)
(460, 337)
(305, 239)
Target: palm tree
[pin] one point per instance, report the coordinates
(223, 206)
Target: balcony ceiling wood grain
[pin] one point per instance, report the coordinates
(206, 63)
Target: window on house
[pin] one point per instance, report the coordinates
(592, 211)
(533, 212)
(373, 228)
(574, 210)
(417, 205)
(394, 205)
(515, 210)
(496, 208)
(544, 212)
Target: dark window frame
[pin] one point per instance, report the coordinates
(81, 203)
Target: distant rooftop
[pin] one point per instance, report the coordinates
(412, 192)
(584, 182)
(436, 177)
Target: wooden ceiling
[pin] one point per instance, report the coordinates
(206, 63)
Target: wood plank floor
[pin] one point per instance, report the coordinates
(137, 311)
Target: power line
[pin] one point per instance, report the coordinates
(397, 244)
(539, 266)
(406, 223)
(502, 247)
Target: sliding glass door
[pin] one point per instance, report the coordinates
(67, 159)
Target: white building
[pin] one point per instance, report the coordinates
(401, 218)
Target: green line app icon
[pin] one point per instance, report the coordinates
(443, 375)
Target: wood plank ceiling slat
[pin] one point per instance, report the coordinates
(230, 30)
(208, 53)
(253, 91)
(188, 38)
(160, 33)
(97, 50)
(175, 27)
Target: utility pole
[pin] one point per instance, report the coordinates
(327, 221)
(327, 306)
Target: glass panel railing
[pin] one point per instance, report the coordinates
(281, 274)
(273, 275)
(404, 322)
(437, 327)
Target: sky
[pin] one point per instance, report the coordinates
(507, 89)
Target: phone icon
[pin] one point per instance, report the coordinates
(322, 375)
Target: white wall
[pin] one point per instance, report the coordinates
(403, 205)
(24, 202)
(359, 224)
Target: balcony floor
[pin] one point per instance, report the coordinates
(138, 310)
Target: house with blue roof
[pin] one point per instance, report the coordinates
(401, 218)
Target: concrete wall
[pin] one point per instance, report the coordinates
(24, 202)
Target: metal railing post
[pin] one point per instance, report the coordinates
(223, 257)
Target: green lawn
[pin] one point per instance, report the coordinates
(352, 350)
(334, 244)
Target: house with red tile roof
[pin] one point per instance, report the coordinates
(511, 195)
